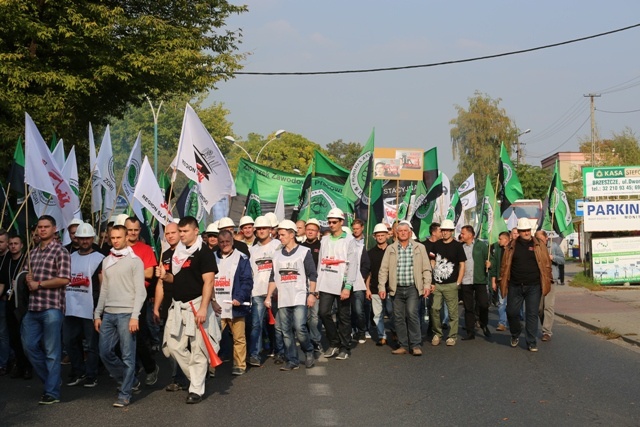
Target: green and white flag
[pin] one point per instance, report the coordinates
(252, 207)
(325, 195)
(403, 209)
(558, 214)
(356, 186)
(491, 220)
(425, 204)
(131, 174)
(509, 187)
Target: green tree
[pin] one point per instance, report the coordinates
(344, 153)
(476, 136)
(622, 149)
(68, 63)
(535, 181)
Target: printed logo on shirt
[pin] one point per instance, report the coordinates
(289, 273)
(222, 282)
(187, 263)
(264, 264)
(79, 279)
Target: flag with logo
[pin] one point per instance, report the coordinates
(107, 179)
(558, 213)
(131, 174)
(491, 222)
(455, 209)
(41, 173)
(356, 185)
(468, 184)
(403, 209)
(150, 196)
(425, 204)
(189, 203)
(252, 207)
(469, 200)
(96, 186)
(324, 196)
(509, 187)
(200, 159)
(70, 173)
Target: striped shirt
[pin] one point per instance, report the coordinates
(405, 265)
(51, 262)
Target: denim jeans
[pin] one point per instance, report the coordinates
(114, 329)
(4, 335)
(358, 320)
(502, 309)
(74, 329)
(42, 341)
(378, 315)
(406, 317)
(313, 323)
(294, 318)
(278, 344)
(529, 295)
(258, 310)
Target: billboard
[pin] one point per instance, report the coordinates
(612, 215)
(398, 164)
(616, 260)
(611, 181)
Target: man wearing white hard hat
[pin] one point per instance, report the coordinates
(71, 230)
(406, 267)
(525, 277)
(80, 299)
(227, 223)
(312, 241)
(274, 223)
(246, 230)
(336, 277)
(448, 271)
(262, 253)
(210, 235)
(292, 274)
(380, 234)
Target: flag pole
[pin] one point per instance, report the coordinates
(397, 195)
(495, 201)
(86, 188)
(15, 217)
(26, 226)
(4, 205)
(173, 180)
(366, 241)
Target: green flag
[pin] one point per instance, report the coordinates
(324, 167)
(269, 181)
(404, 205)
(252, 207)
(357, 183)
(425, 204)
(325, 195)
(190, 203)
(509, 185)
(16, 173)
(430, 171)
(455, 208)
(491, 222)
(558, 213)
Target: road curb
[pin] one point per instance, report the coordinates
(595, 328)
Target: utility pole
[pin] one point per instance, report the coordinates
(518, 148)
(593, 126)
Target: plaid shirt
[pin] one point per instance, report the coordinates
(405, 265)
(51, 262)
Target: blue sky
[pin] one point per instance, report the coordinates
(542, 91)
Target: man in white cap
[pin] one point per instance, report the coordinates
(292, 270)
(380, 234)
(336, 277)
(274, 223)
(247, 230)
(262, 253)
(80, 299)
(210, 235)
(227, 223)
(71, 229)
(525, 277)
(448, 271)
(406, 267)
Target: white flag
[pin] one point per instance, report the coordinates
(131, 175)
(70, 173)
(41, 173)
(58, 154)
(201, 161)
(279, 209)
(96, 187)
(107, 176)
(468, 184)
(512, 222)
(150, 196)
(469, 200)
(443, 202)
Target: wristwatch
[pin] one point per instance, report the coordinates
(315, 294)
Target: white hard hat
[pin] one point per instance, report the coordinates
(246, 220)
(212, 228)
(262, 222)
(523, 224)
(85, 230)
(120, 219)
(313, 221)
(447, 224)
(273, 218)
(287, 224)
(407, 223)
(75, 221)
(380, 228)
(336, 213)
(346, 229)
(225, 223)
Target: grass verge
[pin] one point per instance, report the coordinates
(608, 333)
(580, 280)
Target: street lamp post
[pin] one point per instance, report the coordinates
(518, 150)
(155, 113)
(234, 142)
(276, 136)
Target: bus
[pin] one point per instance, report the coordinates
(525, 208)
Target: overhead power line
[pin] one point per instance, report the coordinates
(565, 141)
(435, 64)
(617, 112)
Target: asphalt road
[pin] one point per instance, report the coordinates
(577, 379)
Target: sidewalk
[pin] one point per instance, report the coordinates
(616, 308)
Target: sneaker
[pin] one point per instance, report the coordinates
(546, 337)
(254, 361)
(514, 341)
(75, 380)
(48, 400)
(120, 403)
(332, 351)
(317, 347)
(152, 378)
(237, 371)
(435, 340)
(288, 367)
(367, 335)
(342, 356)
(278, 359)
(533, 348)
(90, 383)
(361, 338)
(451, 342)
(310, 362)
(136, 387)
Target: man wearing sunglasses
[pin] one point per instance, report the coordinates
(336, 277)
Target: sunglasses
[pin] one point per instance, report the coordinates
(333, 222)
